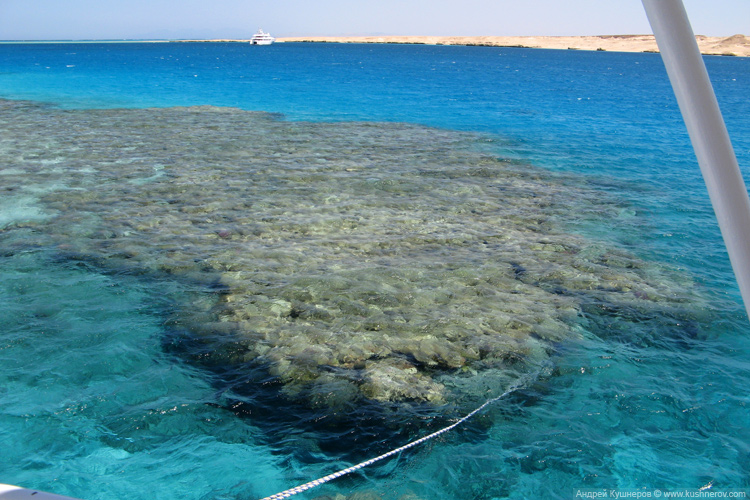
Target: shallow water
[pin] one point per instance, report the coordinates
(88, 392)
(302, 295)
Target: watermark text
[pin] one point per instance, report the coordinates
(658, 494)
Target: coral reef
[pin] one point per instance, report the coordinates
(351, 259)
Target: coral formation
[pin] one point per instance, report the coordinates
(351, 259)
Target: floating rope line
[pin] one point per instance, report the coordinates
(304, 487)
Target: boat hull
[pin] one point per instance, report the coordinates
(10, 492)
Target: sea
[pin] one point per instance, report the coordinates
(228, 270)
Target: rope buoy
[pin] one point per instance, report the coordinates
(304, 487)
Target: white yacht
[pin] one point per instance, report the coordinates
(262, 38)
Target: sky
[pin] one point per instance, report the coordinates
(181, 19)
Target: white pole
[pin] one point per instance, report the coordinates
(700, 110)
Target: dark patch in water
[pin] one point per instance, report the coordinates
(518, 270)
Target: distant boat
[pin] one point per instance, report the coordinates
(262, 38)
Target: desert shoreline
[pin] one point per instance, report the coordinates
(736, 45)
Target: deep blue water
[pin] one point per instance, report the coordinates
(92, 406)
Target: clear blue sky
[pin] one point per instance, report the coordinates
(114, 19)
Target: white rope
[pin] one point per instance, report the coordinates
(303, 487)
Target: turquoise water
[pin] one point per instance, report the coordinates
(425, 165)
